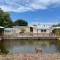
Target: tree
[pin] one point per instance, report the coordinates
(57, 25)
(21, 22)
(5, 19)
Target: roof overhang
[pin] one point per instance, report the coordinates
(1, 27)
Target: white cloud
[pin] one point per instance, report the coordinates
(26, 5)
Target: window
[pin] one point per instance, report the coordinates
(7, 30)
(31, 29)
(43, 30)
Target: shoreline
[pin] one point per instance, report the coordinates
(32, 56)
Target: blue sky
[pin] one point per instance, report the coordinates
(33, 11)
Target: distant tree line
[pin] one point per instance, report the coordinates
(57, 25)
(56, 31)
(6, 21)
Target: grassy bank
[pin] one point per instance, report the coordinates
(3, 49)
(58, 45)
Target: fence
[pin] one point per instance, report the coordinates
(30, 35)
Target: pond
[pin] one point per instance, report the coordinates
(28, 46)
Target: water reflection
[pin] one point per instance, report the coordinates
(28, 46)
(58, 45)
(3, 50)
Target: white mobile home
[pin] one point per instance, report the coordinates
(42, 29)
(17, 30)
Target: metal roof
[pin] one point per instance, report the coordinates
(1, 27)
(56, 27)
(42, 26)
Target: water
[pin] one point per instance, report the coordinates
(28, 46)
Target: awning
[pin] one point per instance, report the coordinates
(1, 27)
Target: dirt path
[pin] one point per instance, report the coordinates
(39, 56)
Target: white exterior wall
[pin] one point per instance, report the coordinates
(39, 31)
(18, 30)
(9, 31)
(36, 30)
(39, 27)
(27, 29)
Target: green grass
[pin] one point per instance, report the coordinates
(3, 50)
(58, 45)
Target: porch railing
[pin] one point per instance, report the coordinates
(30, 35)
